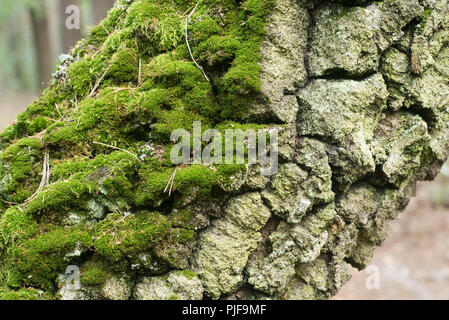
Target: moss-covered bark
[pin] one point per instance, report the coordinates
(358, 90)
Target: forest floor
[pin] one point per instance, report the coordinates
(413, 263)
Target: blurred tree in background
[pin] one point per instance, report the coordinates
(34, 32)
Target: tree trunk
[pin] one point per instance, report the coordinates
(100, 9)
(14, 34)
(42, 43)
(348, 97)
(70, 33)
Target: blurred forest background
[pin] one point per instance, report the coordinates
(414, 261)
(33, 34)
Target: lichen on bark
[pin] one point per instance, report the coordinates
(358, 90)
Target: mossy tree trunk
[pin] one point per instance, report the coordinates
(357, 90)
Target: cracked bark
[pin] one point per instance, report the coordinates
(357, 89)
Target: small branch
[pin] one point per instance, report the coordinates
(60, 114)
(186, 12)
(188, 45)
(45, 176)
(9, 202)
(101, 24)
(170, 182)
(117, 89)
(40, 135)
(91, 94)
(139, 81)
(116, 148)
(96, 52)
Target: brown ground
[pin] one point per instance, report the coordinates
(414, 261)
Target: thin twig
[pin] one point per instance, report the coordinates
(45, 176)
(121, 219)
(101, 24)
(91, 94)
(186, 12)
(170, 182)
(116, 148)
(188, 45)
(139, 81)
(96, 52)
(60, 114)
(40, 135)
(9, 202)
(122, 89)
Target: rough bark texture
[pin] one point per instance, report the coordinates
(359, 90)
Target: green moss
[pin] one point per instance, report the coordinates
(345, 11)
(78, 182)
(188, 95)
(62, 196)
(118, 237)
(217, 50)
(113, 21)
(38, 124)
(181, 218)
(201, 30)
(155, 24)
(80, 77)
(96, 183)
(194, 180)
(189, 274)
(21, 164)
(15, 227)
(38, 261)
(124, 66)
(94, 273)
(100, 120)
(24, 294)
(426, 15)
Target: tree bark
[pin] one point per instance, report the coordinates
(42, 44)
(100, 9)
(349, 91)
(69, 35)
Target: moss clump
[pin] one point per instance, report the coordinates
(218, 50)
(97, 120)
(104, 180)
(426, 15)
(23, 294)
(80, 77)
(189, 274)
(96, 105)
(124, 66)
(37, 262)
(21, 164)
(30, 122)
(154, 181)
(15, 227)
(94, 273)
(119, 237)
(155, 24)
